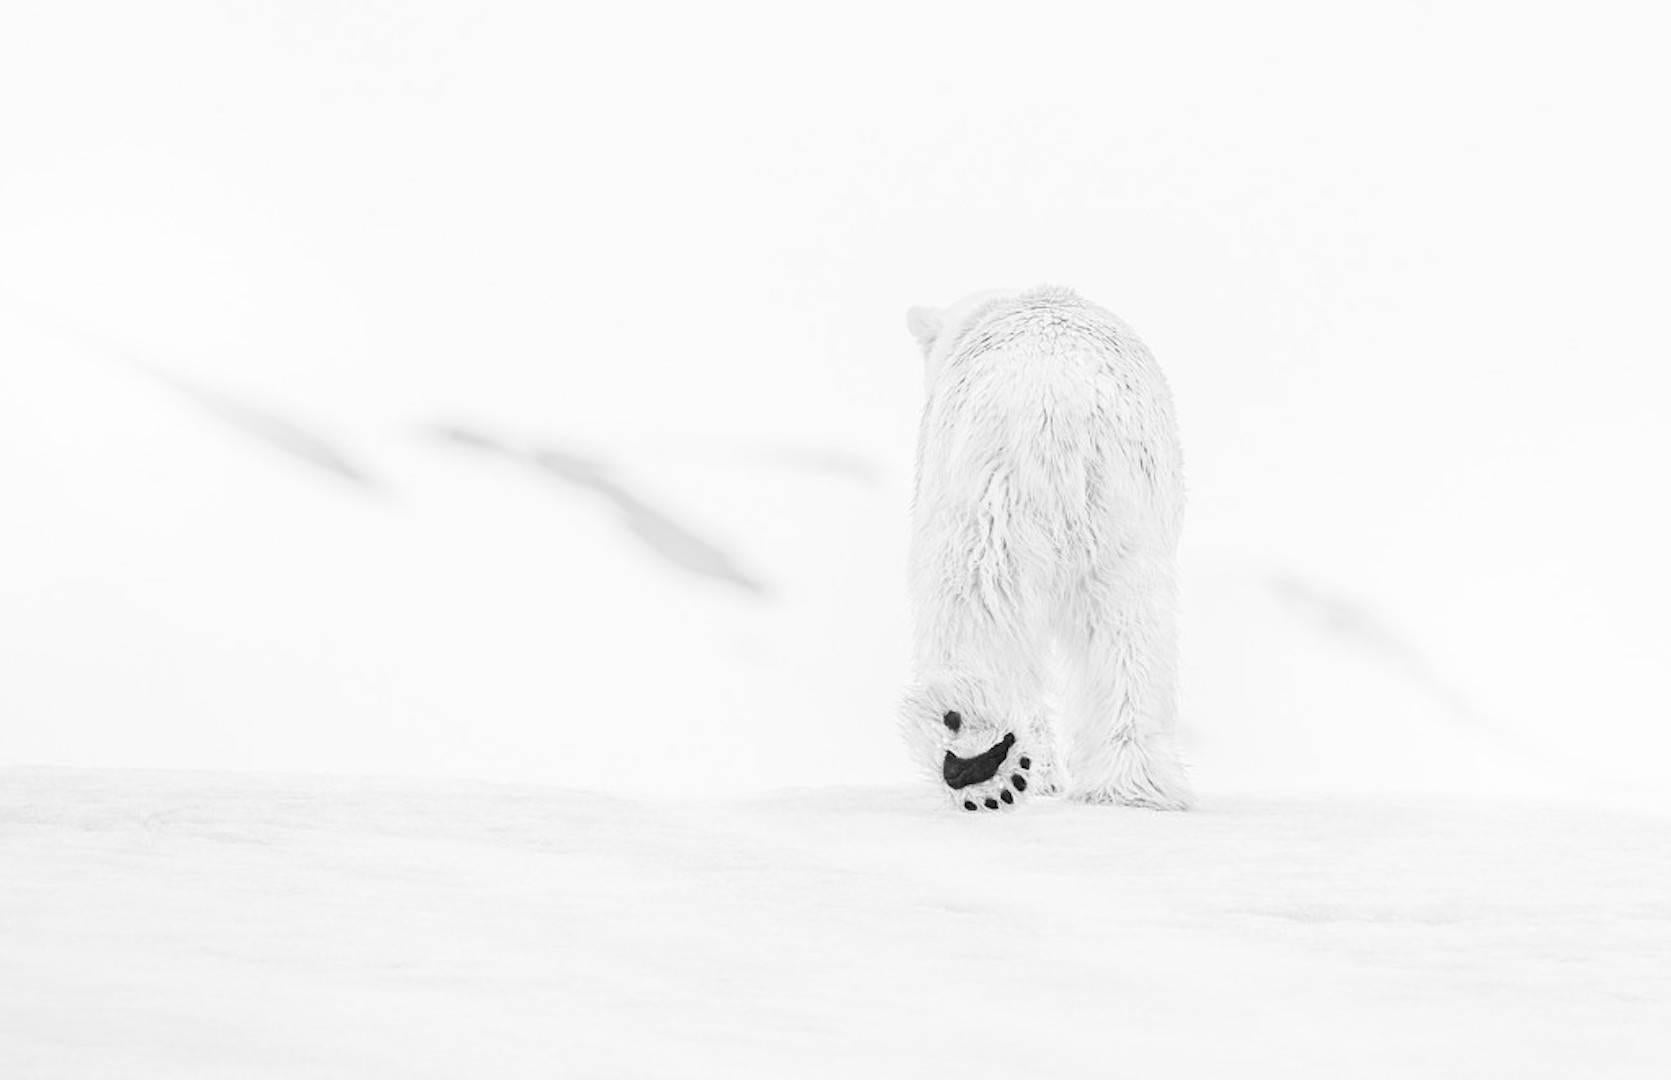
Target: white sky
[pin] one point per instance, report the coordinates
(1406, 268)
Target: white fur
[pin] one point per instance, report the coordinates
(1049, 498)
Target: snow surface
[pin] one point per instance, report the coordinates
(182, 925)
(455, 461)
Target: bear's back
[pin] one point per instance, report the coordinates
(1051, 414)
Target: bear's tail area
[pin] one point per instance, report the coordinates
(1142, 772)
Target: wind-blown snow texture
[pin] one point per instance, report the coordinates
(176, 925)
(510, 401)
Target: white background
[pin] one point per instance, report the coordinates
(1405, 268)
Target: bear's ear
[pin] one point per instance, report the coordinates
(924, 324)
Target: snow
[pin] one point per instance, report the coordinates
(194, 924)
(451, 573)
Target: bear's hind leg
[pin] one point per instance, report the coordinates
(1121, 704)
(976, 710)
(979, 720)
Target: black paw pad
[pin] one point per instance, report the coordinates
(1019, 781)
(1007, 797)
(962, 772)
(992, 804)
(1026, 763)
(968, 805)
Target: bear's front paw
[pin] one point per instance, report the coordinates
(991, 780)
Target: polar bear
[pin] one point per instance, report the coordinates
(1049, 498)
